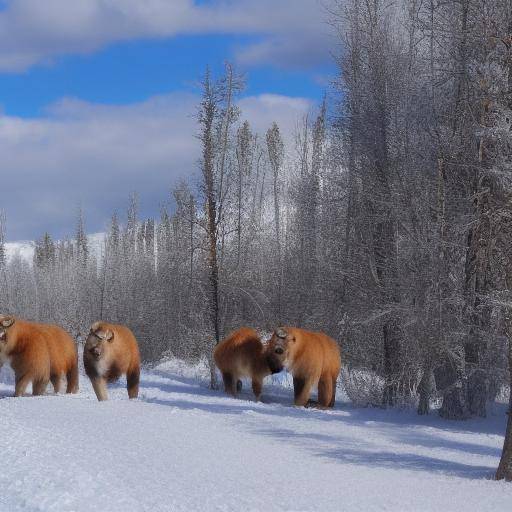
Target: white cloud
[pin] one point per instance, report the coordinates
(291, 32)
(94, 155)
(262, 110)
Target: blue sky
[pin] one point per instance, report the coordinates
(134, 71)
(97, 96)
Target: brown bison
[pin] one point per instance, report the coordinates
(313, 360)
(240, 355)
(111, 351)
(38, 353)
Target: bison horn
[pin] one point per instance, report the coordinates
(7, 321)
(281, 333)
(95, 326)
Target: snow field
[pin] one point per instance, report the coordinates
(184, 447)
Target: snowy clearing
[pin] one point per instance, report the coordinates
(184, 447)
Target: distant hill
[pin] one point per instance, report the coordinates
(25, 248)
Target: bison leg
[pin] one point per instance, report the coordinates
(325, 391)
(301, 390)
(39, 387)
(21, 384)
(238, 386)
(57, 383)
(132, 383)
(333, 395)
(256, 388)
(100, 388)
(72, 379)
(229, 386)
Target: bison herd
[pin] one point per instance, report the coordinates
(42, 353)
(312, 358)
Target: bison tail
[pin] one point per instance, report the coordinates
(72, 378)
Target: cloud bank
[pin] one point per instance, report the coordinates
(287, 32)
(94, 156)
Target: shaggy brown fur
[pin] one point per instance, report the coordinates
(63, 358)
(312, 358)
(240, 355)
(111, 351)
(38, 353)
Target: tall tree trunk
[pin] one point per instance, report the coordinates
(505, 467)
(454, 404)
(214, 286)
(207, 117)
(275, 148)
(425, 389)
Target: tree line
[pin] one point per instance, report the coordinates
(242, 246)
(425, 120)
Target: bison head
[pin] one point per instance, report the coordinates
(277, 349)
(5, 323)
(97, 340)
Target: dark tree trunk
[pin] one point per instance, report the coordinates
(453, 377)
(207, 117)
(387, 272)
(505, 467)
(425, 391)
(391, 335)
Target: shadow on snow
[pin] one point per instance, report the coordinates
(335, 446)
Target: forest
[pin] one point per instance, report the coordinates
(385, 221)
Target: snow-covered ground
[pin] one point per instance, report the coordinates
(184, 447)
